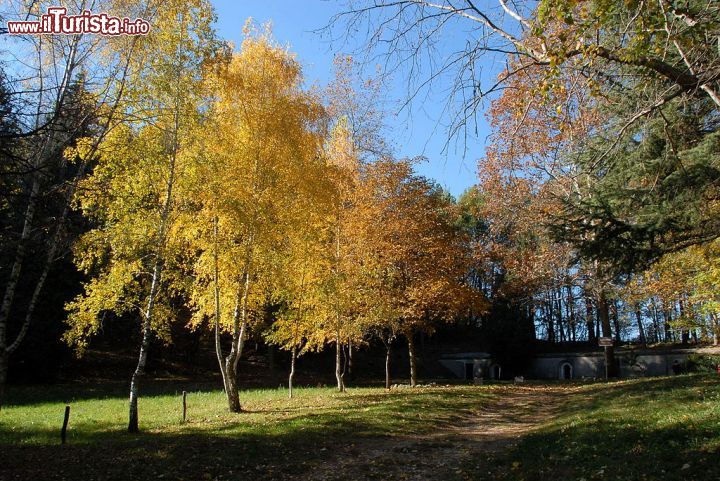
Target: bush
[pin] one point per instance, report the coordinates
(703, 362)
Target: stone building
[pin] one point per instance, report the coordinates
(574, 365)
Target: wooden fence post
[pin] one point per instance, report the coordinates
(184, 405)
(63, 431)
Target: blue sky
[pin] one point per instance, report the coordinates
(418, 131)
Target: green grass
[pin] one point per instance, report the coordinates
(662, 428)
(648, 429)
(214, 442)
(322, 411)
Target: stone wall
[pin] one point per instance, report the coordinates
(592, 365)
(577, 365)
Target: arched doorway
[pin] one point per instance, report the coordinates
(495, 372)
(566, 371)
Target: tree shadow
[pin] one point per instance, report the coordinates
(193, 453)
(613, 450)
(295, 444)
(644, 429)
(27, 395)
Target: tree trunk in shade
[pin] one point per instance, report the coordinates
(641, 328)
(604, 315)
(387, 365)
(3, 375)
(589, 322)
(413, 360)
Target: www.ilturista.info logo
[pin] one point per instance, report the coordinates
(57, 21)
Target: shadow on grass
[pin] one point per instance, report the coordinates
(630, 431)
(262, 445)
(653, 385)
(646, 429)
(27, 395)
(614, 450)
(179, 456)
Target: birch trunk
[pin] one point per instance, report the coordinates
(133, 424)
(231, 364)
(39, 285)
(216, 286)
(40, 157)
(14, 276)
(232, 359)
(292, 372)
(37, 159)
(5, 352)
(338, 365)
(230, 373)
(12, 282)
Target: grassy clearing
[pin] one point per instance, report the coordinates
(360, 411)
(275, 435)
(663, 428)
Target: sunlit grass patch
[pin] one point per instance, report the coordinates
(661, 428)
(365, 411)
(655, 428)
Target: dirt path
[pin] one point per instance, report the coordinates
(474, 439)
